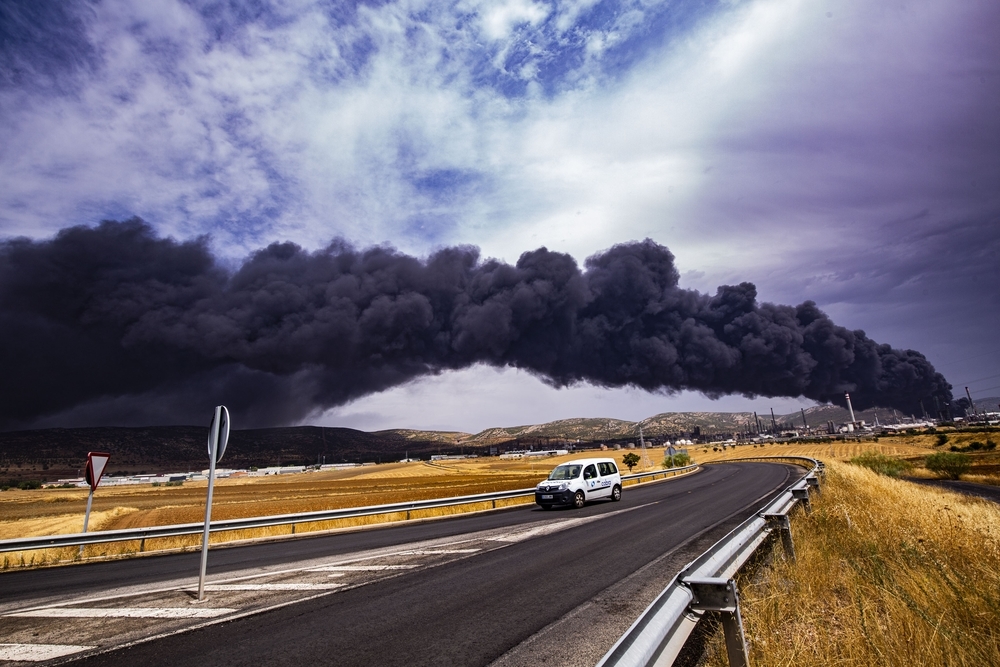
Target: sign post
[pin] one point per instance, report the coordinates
(218, 438)
(96, 463)
(671, 451)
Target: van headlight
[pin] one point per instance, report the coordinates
(563, 486)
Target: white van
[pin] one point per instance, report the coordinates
(576, 482)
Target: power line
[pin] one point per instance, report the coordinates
(975, 356)
(980, 379)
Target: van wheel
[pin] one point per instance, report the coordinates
(579, 499)
(616, 493)
(546, 506)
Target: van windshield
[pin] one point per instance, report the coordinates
(565, 472)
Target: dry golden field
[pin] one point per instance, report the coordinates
(898, 446)
(60, 511)
(888, 573)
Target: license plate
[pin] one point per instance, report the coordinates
(548, 497)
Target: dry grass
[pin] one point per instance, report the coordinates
(992, 480)
(837, 451)
(888, 573)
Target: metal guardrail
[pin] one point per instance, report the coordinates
(141, 534)
(706, 584)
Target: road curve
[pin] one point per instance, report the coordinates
(467, 611)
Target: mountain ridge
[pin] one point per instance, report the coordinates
(50, 454)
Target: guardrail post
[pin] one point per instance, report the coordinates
(781, 523)
(803, 495)
(813, 483)
(720, 595)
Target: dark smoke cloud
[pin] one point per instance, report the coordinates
(116, 325)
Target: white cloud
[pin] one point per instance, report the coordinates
(499, 19)
(769, 142)
(482, 397)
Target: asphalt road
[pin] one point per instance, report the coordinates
(969, 488)
(466, 612)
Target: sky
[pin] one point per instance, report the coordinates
(843, 152)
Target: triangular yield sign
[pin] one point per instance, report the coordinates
(96, 463)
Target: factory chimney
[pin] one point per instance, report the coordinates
(774, 424)
(804, 422)
(849, 408)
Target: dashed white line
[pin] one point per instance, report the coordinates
(38, 652)
(125, 612)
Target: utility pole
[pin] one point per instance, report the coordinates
(971, 403)
(645, 455)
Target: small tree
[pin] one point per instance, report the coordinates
(949, 464)
(630, 460)
(680, 460)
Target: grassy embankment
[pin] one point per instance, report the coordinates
(888, 573)
(60, 511)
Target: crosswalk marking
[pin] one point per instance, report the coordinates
(38, 652)
(362, 568)
(125, 612)
(435, 552)
(270, 587)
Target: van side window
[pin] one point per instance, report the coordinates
(606, 469)
(612, 469)
(590, 472)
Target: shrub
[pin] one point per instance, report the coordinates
(942, 439)
(631, 460)
(948, 464)
(882, 464)
(679, 461)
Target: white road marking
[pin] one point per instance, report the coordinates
(362, 568)
(38, 652)
(125, 612)
(550, 527)
(435, 552)
(270, 587)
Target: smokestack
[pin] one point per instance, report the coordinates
(756, 420)
(804, 422)
(847, 397)
(774, 424)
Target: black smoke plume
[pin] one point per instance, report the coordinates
(115, 325)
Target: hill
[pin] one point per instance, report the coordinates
(51, 454)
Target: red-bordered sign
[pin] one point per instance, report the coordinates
(96, 463)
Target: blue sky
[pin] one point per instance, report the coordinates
(846, 152)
